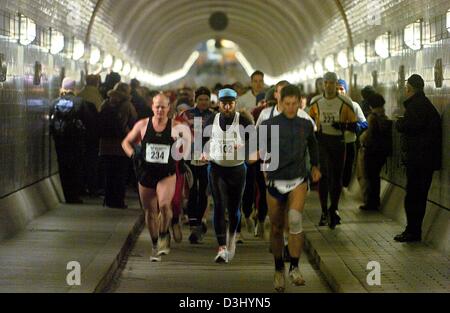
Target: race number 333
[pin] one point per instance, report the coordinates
(157, 153)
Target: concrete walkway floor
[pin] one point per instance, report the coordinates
(191, 269)
(35, 260)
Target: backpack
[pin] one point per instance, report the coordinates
(65, 120)
(110, 123)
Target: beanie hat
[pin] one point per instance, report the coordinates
(202, 91)
(416, 81)
(343, 83)
(330, 76)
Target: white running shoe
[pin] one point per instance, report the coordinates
(279, 281)
(259, 230)
(154, 257)
(296, 277)
(222, 255)
(164, 245)
(231, 245)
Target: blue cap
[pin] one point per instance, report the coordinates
(343, 83)
(227, 93)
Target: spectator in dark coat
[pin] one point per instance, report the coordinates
(421, 131)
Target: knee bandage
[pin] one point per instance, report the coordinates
(295, 220)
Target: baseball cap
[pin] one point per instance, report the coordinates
(227, 94)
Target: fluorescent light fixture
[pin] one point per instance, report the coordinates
(27, 32)
(108, 61)
(228, 44)
(310, 74)
(134, 72)
(412, 35)
(382, 46)
(342, 59)
(302, 74)
(78, 49)
(126, 69)
(448, 20)
(118, 65)
(318, 68)
(95, 55)
(359, 53)
(329, 63)
(56, 42)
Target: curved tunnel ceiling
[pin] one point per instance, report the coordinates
(273, 35)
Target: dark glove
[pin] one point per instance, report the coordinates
(137, 153)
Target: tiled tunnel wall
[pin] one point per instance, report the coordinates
(26, 155)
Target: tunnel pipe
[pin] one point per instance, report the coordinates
(87, 39)
(350, 40)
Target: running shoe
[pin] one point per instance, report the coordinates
(164, 245)
(239, 238)
(323, 219)
(222, 255)
(334, 219)
(296, 277)
(204, 227)
(231, 246)
(177, 234)
(279, 281)
(154, 257)
(250, 225)
(259, 230)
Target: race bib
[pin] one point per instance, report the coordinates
(156, 153)
(223, 149)
(329, 118)
(285, 186)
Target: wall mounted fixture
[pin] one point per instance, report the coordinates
(412, 35)
(3, 68)
(27, 30)
(37, 73)
(56, 41)
(438, 74)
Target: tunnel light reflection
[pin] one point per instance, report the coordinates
(342, 59)
(413, 35)
(56, 42)
(157, 80)
(95, 55)
(78, 49)
(310, 72)
(329, 63)
(382, 46)
(27, 30)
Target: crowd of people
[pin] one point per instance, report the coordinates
(252, 153)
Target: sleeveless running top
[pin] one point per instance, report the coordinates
(224, 145)
(156, 150)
